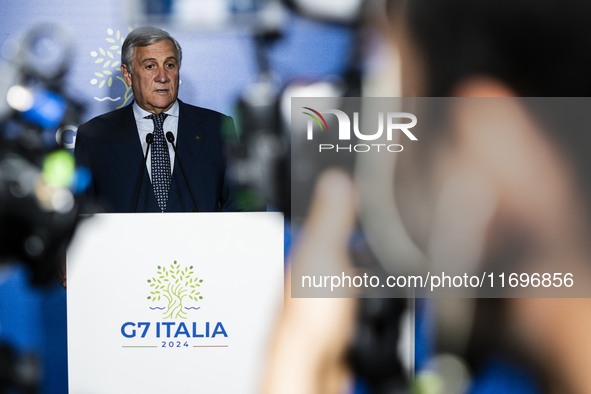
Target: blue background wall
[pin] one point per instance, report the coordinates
(217, 66)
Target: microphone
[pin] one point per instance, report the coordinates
(149, 141)
(170, 138)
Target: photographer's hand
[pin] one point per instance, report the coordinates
(311, 339)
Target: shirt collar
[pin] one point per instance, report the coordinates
(140, 113)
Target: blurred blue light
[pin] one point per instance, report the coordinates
(47, 111)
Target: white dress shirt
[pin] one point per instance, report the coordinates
(146, 126)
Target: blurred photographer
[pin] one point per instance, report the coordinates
(530, 185)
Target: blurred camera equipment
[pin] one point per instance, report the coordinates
(38, 176)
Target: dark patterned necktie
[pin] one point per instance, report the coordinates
(161, 178)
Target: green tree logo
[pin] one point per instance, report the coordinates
(175, 285)
(107, 60)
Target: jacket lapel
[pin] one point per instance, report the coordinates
(126, 143)
(127, 149)
(188, 145)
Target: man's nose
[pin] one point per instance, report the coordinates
(161, 76)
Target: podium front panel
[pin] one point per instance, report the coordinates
(172, 303)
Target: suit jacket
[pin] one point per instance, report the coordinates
(110, 147)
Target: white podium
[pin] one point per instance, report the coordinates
(172, 303)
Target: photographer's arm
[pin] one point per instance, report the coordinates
(312, 336)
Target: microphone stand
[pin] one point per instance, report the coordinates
(149, 141)
(170, 139)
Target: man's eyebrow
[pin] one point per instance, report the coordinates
(152, 59)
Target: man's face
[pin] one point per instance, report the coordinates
(155, 77)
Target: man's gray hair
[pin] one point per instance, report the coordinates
(142, 37)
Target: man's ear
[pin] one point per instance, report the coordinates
(501, 154)
(126, 74)
(500, 170)
(537, 195)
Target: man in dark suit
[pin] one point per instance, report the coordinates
(115, 146)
